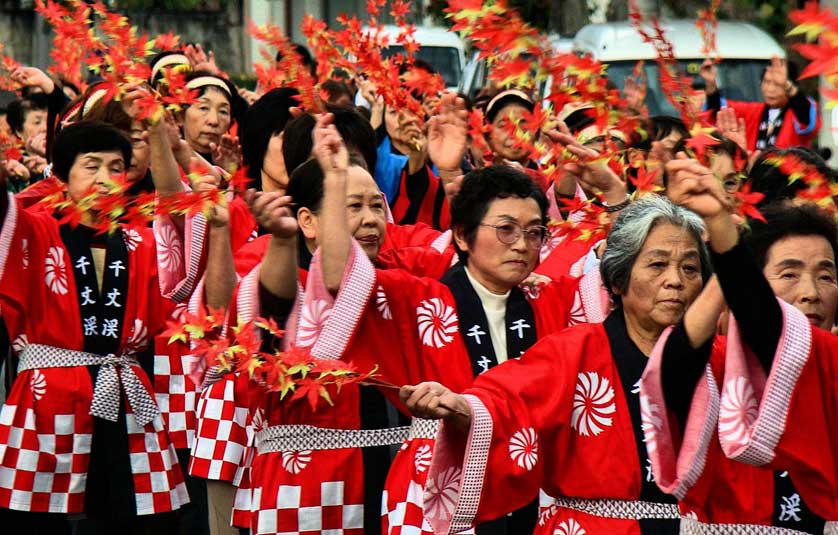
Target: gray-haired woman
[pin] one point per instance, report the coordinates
(566, 417)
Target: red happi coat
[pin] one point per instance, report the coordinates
(185, 260)
(374, 308)
(223, 448)
(789, 419)
(46, 429)
(713, 491)
(787, 137)
(556, 419)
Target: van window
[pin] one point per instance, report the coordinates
(445, 59)
(738, 79)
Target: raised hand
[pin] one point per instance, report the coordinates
(209, 177)
(778, 71)
(695, 187)
(35, 163)
(200, 60)
(33, 77)
(15, 168)
(228, 153)
(272, 211)
(250, 96)
(368, 91)
(37, 144)
(329, 148)
(592, 173)
(448, 134)
(731, 127)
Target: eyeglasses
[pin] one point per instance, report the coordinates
(732, 181)
(511, 232)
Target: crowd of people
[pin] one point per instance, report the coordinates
(611, 347)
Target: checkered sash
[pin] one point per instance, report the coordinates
(623, 509)
(106, 392)
(690, 526)
(277, 438)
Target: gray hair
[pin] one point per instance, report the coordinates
(629, 233)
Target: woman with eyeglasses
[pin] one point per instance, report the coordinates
(566, 416)
(450, 330)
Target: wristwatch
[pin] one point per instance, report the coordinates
(617, 207)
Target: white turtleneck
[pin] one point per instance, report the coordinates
(494, 306)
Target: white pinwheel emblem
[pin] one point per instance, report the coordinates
(170, 248)
(55, 271)
(312, 319)
(132, 239)
(593, 404)
(38, 384)
(437, 322)
(569, 527)
(523, 448)
(651, 423)
(382, 305)
(295, 461)
(738, 410)
(422, 459)
(441, 494)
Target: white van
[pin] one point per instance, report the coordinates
(444, 50)
(745, 51)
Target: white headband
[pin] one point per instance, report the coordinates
(165, 61)
(204, 81)
(92, 100)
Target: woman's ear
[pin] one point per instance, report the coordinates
(308, 223)
(460, 238)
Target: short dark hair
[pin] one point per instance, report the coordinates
(18, 110)
(305, 56)
(305, 185)
(767, 177)
(336, 89)
(482, 186)
(783, 220)
(659, 127)
(356, 131)
(83, 137)
(268, 116)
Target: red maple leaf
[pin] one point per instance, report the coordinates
(823, 56)
(747, 201)
(168, 41)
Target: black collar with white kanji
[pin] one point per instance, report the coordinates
(102, 313)
(520, 321)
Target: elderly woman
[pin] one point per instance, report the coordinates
(778, 407)
(565, 417)
(412, 328)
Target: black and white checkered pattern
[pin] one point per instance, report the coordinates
(690, 526)
(308, 437)
(621, 509)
